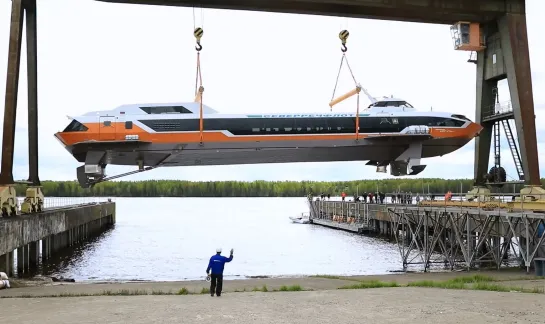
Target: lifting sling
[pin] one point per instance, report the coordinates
(343, 35)
(199, 89)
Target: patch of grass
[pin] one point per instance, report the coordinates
(475, 282)
(262, 289)
(529, 277)
(537, 290)
(183, 291)
(493, 287)
(472, 279)
(205, 290)
(326, 276)
(456, 283)
(124, 292)
(371, 284)
(160, 292)
(437, 284)
(291, 288)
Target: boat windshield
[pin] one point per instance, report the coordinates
(391, 103)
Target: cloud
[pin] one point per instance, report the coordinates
(146, 54)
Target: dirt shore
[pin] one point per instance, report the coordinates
(324, 304)
(508, 278)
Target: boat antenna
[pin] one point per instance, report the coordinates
(343, 36)
(199, 89)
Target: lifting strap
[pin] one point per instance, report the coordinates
(199, 89)
(343, 35)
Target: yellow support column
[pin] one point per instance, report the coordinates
(34, 200)
(8, 201)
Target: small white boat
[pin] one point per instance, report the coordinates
(303, 219)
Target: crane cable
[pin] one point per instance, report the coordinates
(199, 89)
(343, 35)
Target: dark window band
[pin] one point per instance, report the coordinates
(259, 126)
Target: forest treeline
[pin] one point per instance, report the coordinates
(178, 188)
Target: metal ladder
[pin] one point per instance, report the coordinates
(513, 147)
(365, 218)
(497, 150)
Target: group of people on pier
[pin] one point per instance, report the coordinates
(378, 197)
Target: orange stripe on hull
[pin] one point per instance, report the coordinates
(467, 132)
(117, 132)
(98, 132)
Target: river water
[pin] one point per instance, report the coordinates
(168, 239)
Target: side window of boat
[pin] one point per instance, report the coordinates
(341, 124)
(422, 121)
(457, 123)
(320, 125)
(255, 124)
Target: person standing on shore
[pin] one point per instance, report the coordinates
(216, 265)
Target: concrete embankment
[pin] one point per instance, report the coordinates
(49, 231)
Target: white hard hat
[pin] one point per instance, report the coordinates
(218, 250)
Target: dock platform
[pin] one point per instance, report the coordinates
(456, 237)
(55, 228)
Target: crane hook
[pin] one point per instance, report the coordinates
(343, 35)
(198, 32)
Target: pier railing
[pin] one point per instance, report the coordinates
(60, 202)
(340, 211)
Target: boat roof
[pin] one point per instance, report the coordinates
(175, 107)
(186, 109)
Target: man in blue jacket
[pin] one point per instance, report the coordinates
(216, 264)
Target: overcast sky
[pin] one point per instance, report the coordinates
(96, 56)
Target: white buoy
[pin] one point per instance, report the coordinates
(4, 284)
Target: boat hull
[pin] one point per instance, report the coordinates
(218, 153)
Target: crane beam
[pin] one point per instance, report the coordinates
(425, 11)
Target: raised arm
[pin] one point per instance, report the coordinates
(229, 259)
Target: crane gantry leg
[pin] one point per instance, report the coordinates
(502, 53)
(34, 196)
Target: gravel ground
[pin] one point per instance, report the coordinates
(383, 305)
